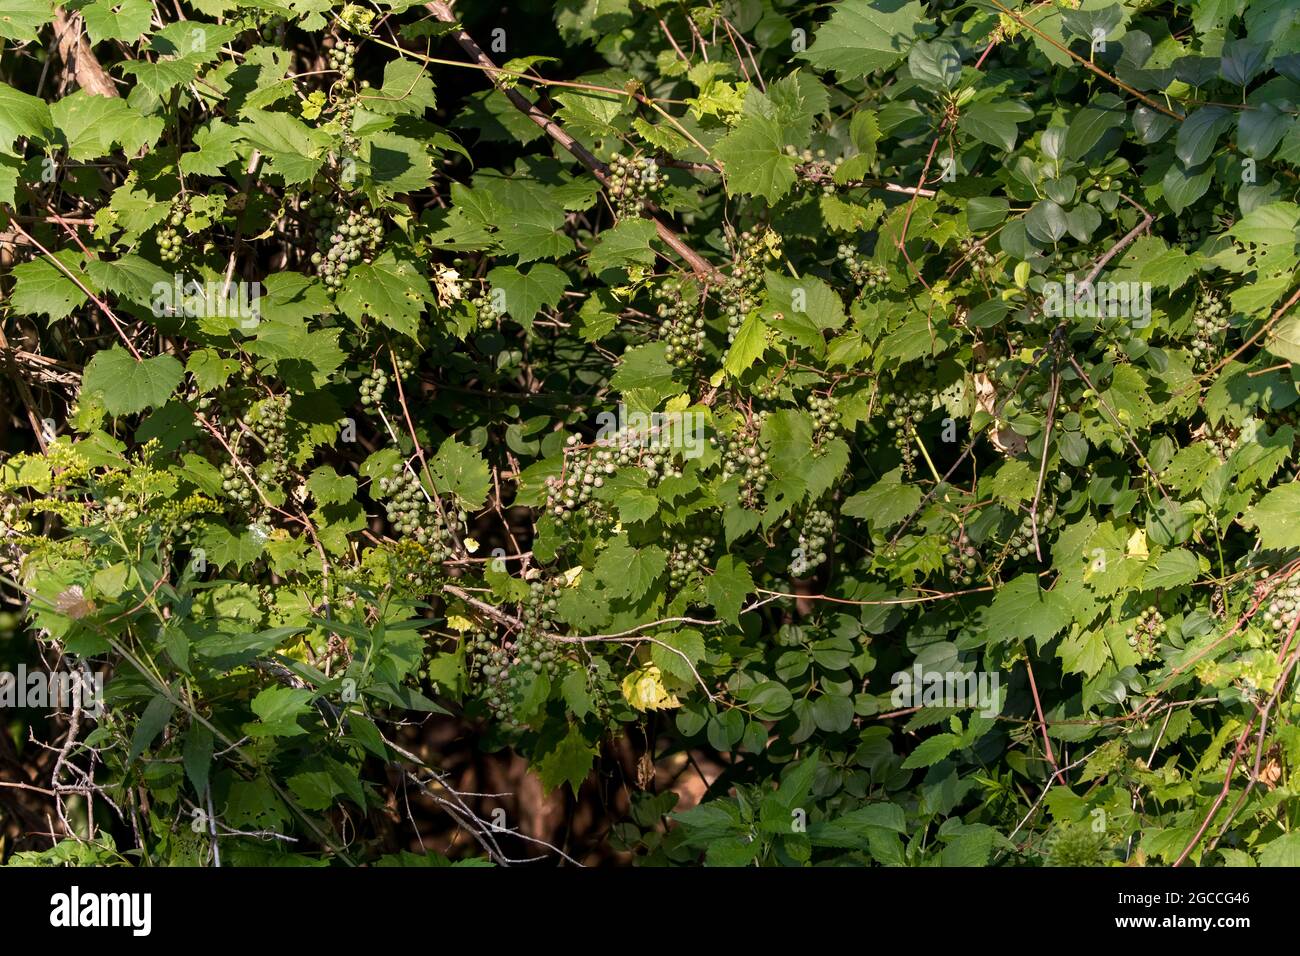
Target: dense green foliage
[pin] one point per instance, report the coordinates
(680, 369)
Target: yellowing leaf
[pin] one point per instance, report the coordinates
(460, 623)
(311, 107)
(644, 689)
(1137, 544)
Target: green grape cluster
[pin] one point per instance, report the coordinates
(587, 467)
(864, 273)
(1222, 440)
(743, 456)
(814, 535)
(690, 549)
(345, 106)
(412, 514)
(585, 470)
(658, 463)
(503, 670)
(825, 416)
(489, 670)
(344, 237)
(540, 605)
(169, 237)
(634, 181)
(269, 425)
(341, 59)
(651, 453)
(486, 307)
(906, 408)
(739, 293)
(817, 169)
(975, 253)
(374, 384)
(416, 568)
(1021, 543)
(238, 488)
(1283, 607)
(1043, 399)
(986, 358)
(1210, 324)
(226, 406)
(681, 324)
(767, 388)
(1146, 632)
(962, 560)
(273, 28)
(266, 422)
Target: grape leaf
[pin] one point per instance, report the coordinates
(569, 761)
(460, 470)
(866, 36)
(392, 290)
(754, 161)
(625, 571)
(129, 385)
(527, 293)
(627, 244)
(728, 586)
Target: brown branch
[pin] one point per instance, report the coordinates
(1116, 249)
(24, 393)
(1042, 718)
(1282, 310)
(442, 11)
(99, 303)
(1105, 406)
(1261, 714)
(74, 49)
(1042, 466)
(668, 33)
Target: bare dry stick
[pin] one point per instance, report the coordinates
(1042, 466)
(74, 49)
(24, 393)
(250, 173)
(1042, 718)
(1119, 247)
(668, 33)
